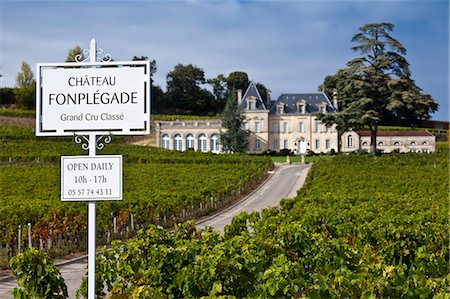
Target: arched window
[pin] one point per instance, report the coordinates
(190, 141)
(215, 143)
(425, 143)
(165, 141)
(413, 143)
(202, 142)
(397, 143)
(350, 141)
(381, 143)
(364, 143)
(178, 142)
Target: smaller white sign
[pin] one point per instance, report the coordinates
(91, 178)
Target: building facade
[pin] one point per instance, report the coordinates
(287, 123)
(198, 135)
(390, 141)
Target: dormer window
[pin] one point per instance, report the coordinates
(280, 108)
(251, 103)
(322, 108)
(301, 107)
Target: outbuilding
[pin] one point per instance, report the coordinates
(390, 141)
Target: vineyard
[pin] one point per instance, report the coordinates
(160, 187)
(361, 227)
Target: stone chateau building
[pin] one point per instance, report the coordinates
(287, 123)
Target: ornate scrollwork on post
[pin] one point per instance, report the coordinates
(83, 140)
(85, 55)
(105, 58)
(101, 144)
(100, 141)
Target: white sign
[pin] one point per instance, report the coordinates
(87, 178)
(104, 97)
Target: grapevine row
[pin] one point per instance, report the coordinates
(361, 227)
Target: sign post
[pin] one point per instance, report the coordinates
(91, 229)
(87, 99)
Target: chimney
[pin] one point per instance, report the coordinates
(239, 96)
(268, 98)
(335, 100)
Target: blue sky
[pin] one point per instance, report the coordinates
(289, 46)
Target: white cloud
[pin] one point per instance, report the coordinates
(286, 45)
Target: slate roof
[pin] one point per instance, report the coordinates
(312, 102)
(252, 90)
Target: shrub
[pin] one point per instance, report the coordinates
(37, 276)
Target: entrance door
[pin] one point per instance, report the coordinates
(302, 147)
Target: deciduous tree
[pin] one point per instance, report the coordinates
(219, 85)
(156, 94)
(75, 55)
(185, 92)
(25, 93)
(238, 80)
(222, 86)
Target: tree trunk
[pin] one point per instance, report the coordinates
(340, 133)
(373, 139)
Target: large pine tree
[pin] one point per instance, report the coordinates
(376, 87)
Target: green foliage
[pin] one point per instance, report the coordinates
(223, 85)
(237, 80)
(7, 96)
(25, 93)
(25, 97)
(362, 227)
(160, 186)
(219, 85)
(37, 277)
(376, 88)
(184, 91)
(17, 113)
(235, 138)
(25, 77)
(442, 146)
(75, 54)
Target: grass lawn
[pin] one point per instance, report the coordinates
(298, 159)
(311, 159)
